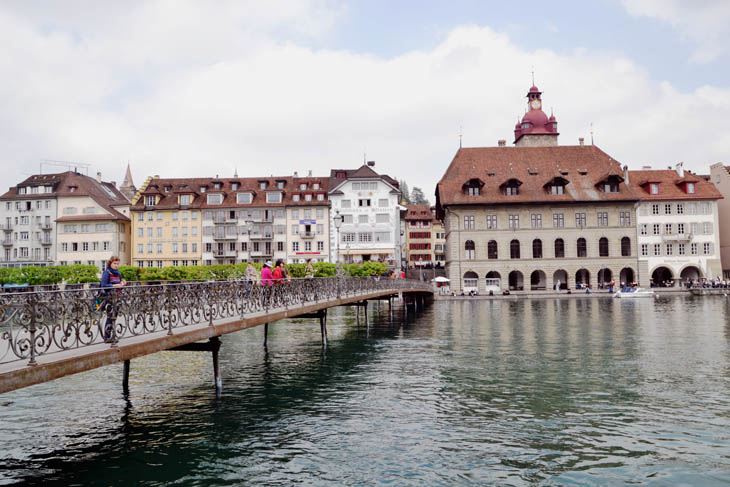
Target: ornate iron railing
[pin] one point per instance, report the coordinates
(33, 324)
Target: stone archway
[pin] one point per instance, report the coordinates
(627, 275)
(605, 276)
(560, 279)
(516, 281)
(470, 282)
(690, 272)
(582, 278)
(538, 281)
(662, 277)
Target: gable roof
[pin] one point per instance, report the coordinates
(584, 167)
(363, 172)
(671, 185)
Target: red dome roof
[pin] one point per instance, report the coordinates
(536, 117)
(533, 89)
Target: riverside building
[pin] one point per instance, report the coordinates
(677, 224)
(64, 218)
(425, 236)
(720, 177)
(365, 216)
(538, 215)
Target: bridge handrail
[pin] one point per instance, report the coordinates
(33, 324)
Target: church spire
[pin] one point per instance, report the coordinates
(127, 188)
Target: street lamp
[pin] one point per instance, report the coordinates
(249, 228)
(338, 224)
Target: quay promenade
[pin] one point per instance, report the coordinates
(47, 335)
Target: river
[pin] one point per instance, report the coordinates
(530, 392)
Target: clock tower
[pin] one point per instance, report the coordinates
(536, 129)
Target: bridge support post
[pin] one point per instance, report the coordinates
(215, 346)
(323, 326)
(357, 314)
(266, 335)
(365, 309)
(125, 378)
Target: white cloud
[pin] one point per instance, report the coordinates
(704, 22)
(181, 91)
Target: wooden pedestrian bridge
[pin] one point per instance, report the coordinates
(46, 335)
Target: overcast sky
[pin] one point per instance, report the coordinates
(184, 89)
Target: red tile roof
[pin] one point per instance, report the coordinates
(584, 167)
(419, 212)
(168, 190)
(671, 186)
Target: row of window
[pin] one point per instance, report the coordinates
(28, 205)
(379, 218)
(581, 220)
(175, 247)
(668, 228)
(668, 248)
(89, 246)
(158, 263)
(88, 210)
(676, 208)
(364, 203)
(35, 189)
(158, 231)
(25, 253)
(537, 248)
(365, 237)
(45, 237)
(365, 186)
(419, 246)
(420, 235)
(193, 215)
(88, 228)
(25, 220)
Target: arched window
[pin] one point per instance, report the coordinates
(470, 250)
(492, 249)
(514, 249)
(559, 248)
(603, 247)
(626, 247)
(537, 249)
(581, 246)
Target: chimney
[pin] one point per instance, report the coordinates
(501, 143)
(371, 163)
(309, 173)
(98, 176)
(296, 174)
(645, 168)
(114, 183)
(581, 141)
(626, 174)
(680, 169)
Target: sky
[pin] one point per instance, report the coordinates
(183, 88)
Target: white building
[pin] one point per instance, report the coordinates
(677, 225)
(368, 205)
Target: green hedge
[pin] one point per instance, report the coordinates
(79, 273)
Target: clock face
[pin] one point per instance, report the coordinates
(535, 104)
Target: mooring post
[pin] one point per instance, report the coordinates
(365, 309)
(357, 314)
(215, 343)
(266, 334)
(125, 377)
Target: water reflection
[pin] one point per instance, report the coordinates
(579, 391)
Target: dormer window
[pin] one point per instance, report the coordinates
(556, 185)
(320, 197)
(262, 184)
(167, 189)
(654, 188)
(202, 189)
(234, 186)
(557, 189)
(315, 186)
(216, 185)
(243, 198)
(184, 199)
(341, 175)
(307, 197)
(610, 187)
(295, 197)
(303, 186)
(273, 197)
(148, 200)
(690, 188)
(215, 199)
(511, 187)
(473, 187)
(21, 189)
(280, 184)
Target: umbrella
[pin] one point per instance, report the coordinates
(441, 279)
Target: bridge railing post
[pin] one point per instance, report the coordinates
(32, 310)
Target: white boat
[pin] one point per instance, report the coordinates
(634, 292)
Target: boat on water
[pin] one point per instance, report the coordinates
(634, 292)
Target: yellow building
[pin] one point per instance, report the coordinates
(167, 223)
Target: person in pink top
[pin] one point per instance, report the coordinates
(267, 278)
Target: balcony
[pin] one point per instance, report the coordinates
(225, 237)
(225, 220)
(261, 236)
(677, 237)
(8, 227)
(262, 253)
(45, 226)
(224, 253)
(306, 234)
(46, 241)
(7, 242)
(262, 219)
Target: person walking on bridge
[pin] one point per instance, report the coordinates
(111, 278)
(267, 278)
(251, 276)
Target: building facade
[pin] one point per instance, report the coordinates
(538, 215)
(308, 220)
(424, 235)
(369, 205)
(64, 218)
(720, 177)
(677, 224)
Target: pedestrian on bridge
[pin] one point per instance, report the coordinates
(267, 278)
(111, 278)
